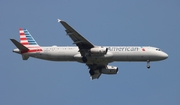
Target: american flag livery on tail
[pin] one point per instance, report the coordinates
(28, 41)
(27, 44)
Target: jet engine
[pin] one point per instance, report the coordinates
(109, 70)
(98, 50)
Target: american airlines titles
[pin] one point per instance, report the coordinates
(123, 48)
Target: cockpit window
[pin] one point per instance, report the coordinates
(158, 49)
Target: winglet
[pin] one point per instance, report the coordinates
(59, 20)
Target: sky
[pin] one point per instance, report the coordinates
(116, 22)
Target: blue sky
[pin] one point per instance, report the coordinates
(119, 22)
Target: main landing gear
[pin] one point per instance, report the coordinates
(148, 64)
(84, 59)
(91, 72)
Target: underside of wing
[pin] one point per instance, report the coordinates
(78, 39)
(86, 48)
(90, 55)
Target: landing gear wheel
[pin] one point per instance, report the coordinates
(148, 64)
(84, 59)
(91, 72)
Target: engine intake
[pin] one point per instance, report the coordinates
(109, 70)
(98, 50)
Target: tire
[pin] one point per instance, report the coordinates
(91, 72)
(84, 59)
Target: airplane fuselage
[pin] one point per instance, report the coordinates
(114, 53)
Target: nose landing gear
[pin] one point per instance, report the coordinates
(148, 64)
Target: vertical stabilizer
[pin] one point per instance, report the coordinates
(26, 39)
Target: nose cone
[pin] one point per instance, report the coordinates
(164, 55)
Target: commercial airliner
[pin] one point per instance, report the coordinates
(95, 57)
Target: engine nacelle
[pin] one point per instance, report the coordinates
(98, 50)
(109, 70)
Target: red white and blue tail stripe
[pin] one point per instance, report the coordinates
(28, 41)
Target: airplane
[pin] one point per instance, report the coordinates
(95, 57)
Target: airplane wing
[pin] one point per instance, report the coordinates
(84, 45)
(78, 39)
(95, 70)
(96, 75)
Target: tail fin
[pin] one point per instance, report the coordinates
(26, 39)
(27, 44)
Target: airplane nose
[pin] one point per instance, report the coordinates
(164, 55)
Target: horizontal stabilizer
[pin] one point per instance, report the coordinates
(19, 45)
